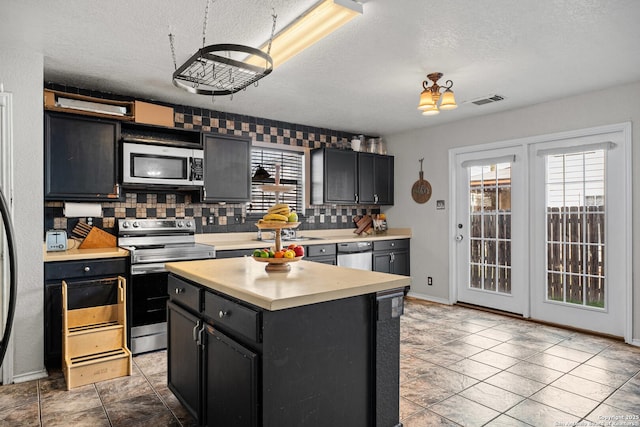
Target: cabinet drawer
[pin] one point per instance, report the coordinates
(321, 250)
(234, 316)
(184, 293)
(387, 245)
(88, 268)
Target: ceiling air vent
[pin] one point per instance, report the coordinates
(488, 99)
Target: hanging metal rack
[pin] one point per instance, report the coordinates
(221, 69)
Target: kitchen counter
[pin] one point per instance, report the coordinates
(232, 241)
(317, 346)
(307, 282)
(80, 254)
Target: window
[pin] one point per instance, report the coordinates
(291, 173)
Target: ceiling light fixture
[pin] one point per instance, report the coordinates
(322, 19)
(431, 95)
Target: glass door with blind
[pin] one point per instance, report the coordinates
(489, 230)
(579, 219)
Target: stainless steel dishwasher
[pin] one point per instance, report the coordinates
(355, 255)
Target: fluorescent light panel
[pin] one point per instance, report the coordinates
(321, 20)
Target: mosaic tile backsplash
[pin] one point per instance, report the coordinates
(214, 217)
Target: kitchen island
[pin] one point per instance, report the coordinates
(315, 346)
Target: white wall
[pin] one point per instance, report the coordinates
(22, 75)
(432, 234)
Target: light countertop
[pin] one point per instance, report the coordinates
(307, 282)
(231, 241)
(82, 254)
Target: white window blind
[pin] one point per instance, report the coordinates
(291, 173)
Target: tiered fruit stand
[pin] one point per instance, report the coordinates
(277, 264)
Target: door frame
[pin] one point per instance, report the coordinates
(6, 183)
(525, 143)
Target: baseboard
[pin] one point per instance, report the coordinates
(30, 376)
(428, 298)
(635, 342)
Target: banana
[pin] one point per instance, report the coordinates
(280, 208)
(275, 217)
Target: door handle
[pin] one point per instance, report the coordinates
(459, 238)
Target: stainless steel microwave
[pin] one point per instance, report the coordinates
(162, 165)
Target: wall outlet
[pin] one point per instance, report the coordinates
(430, 281)
(237, 219)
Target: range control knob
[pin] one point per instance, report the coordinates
(136, 224)
(188, 224)
(125, 224)
(180, 224)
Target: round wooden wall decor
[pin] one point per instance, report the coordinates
(421, 190)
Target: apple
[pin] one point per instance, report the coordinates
(299, 250)
(293, 217)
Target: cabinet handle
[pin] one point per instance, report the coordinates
(356, 197)
(180, 291)
(117, 188)
(393, 244)
(87, 269)
(223, 314)
(195, 331)
(323, 250)
(375, 198)
(393, 257)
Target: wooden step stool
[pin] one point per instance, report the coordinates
(94, 339)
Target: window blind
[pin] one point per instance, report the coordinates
(291, 173)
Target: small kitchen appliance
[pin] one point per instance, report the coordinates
(154, 164)
(56, 240)
(151, 243)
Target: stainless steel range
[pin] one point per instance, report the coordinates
(152, 243)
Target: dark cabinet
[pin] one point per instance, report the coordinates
(375, 179)
(87, 294)
(227, 168)
(233, 253)
(184, 357)
(231, 385)
(391, 256)
(81, 158)
(349, 177)
(334, 176)
(325, 253)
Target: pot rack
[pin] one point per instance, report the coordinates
(220, 69)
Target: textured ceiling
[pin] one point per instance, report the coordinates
(364, 78)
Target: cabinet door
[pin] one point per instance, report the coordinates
(334, 176)
(366, 178)
(53, 325)
(231, 398)
(81, 158)
(227, 168)
(400, 263)
(383, 180)
(382, 262)
(184, 358)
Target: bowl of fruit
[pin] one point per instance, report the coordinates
(278, 260)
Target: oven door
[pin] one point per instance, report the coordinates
(147, 297)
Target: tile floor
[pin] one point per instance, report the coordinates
(459, 366)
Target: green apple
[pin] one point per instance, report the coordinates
(293, 217)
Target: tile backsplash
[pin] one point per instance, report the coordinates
(214, 217)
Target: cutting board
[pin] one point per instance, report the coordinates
(98, 238)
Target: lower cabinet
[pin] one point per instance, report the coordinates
(391, 256)
(234, 364)
(325, 253)
(231, 386)
(184, 358)
(85, 278)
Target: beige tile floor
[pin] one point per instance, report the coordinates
(459, 366)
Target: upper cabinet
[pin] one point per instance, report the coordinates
(81, 158)
(227, 172)
(349, 177)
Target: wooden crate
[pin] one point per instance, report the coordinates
(94, 340)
